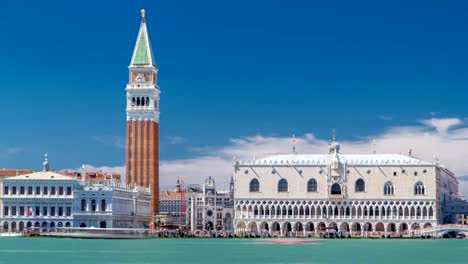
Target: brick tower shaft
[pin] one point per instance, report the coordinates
(142, 149)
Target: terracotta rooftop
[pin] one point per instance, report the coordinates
(168, 194)
(12, 172)
(94, 175)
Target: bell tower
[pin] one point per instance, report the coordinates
(142, 149)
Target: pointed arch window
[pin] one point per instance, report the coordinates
(389, 188)
(419, 188)
(312, 185)
(254, 185)
(360, 186)
(335, 189)
(283, 185)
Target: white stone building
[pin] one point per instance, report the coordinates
(371, 194)
(210, 209)
(40, 199)
(110, 204)
(48, 200)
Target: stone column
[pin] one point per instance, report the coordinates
(192, 214)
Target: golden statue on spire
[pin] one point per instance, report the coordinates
(143, 13)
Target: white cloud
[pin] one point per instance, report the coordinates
(445, 138)
(176, 140)
(10, 151)
(109, 140)
(442, 125)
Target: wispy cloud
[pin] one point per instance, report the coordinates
(109, 140)
(176, 140)
(445, 138)
(10, 151)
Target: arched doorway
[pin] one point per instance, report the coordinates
(356, 227)
(264, 227)
(29, 225)
(333, 226)
(21, 226)
(427, 225)
(403, 228)
(209, 226)
(415, 226)
(5, 226)
(368, 227)
(13, 226)
(36, 224)
(82, 225)
(344, 227)
(67, 224)
(253, 227)
(391, 227)
(321, 227)
(103, 224)
(52, 225)
(228, 219)
(60, 224)
(287, 227)
(298, 227)
(275, 227)
(379, 227)
(310, 227)
(44, 225)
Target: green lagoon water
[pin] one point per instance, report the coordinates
(225, 251)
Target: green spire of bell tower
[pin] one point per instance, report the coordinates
(143, 54)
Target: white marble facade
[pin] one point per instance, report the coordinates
(49, 200)
(110, 204)
(356, 194)
(42, 199)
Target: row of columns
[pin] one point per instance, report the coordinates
(342, 213)
(315, 228)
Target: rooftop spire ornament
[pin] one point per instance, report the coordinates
(143, 13)
(293, 142)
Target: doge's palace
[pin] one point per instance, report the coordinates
(372, 194)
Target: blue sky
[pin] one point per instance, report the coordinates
(228, 70)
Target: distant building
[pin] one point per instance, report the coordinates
(170, 202)
(41, 199)
(356, 194)
(111, 204)
(6, 173)
(210, 209)
(49, 200)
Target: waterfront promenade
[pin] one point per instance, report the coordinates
(439, 231)
(48, 250)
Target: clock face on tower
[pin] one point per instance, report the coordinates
(140, 78)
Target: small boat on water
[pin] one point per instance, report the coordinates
(99, 233)
(93, 235)
(11, 235)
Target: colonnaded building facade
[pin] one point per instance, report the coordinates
(355, 194)
(48, 200)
